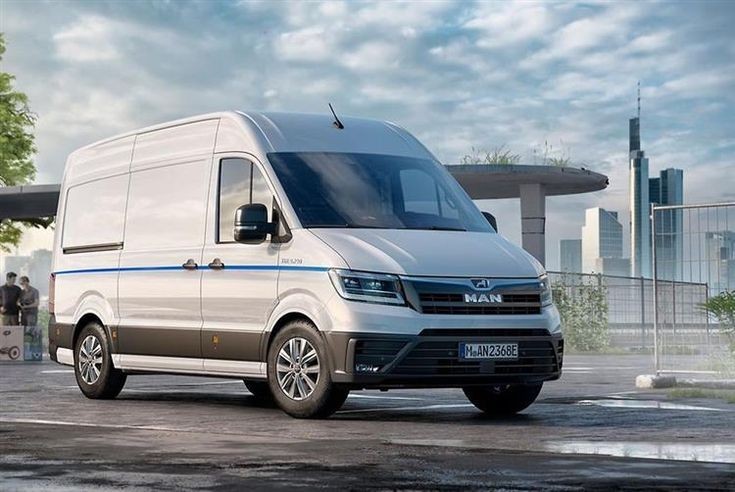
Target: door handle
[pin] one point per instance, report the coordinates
(190, 264)
(216, 264)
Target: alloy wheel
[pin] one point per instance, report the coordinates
(90, 359)
(297, 368)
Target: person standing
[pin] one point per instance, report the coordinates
(10, 296)
(28, 303)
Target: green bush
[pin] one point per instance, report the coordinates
(722, 308)
(583, 311)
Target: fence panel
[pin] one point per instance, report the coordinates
(693, 251)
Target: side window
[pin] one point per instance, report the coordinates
(240, 183)
(95, 212)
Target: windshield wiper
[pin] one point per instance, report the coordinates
(437, 228)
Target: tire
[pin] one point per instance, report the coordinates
(259, 389)
(318, 397)
(502, 401)
(96, 376)
(14, 353)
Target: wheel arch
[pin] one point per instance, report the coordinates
(87, 318)
(278, 325)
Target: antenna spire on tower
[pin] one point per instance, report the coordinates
(639, 99)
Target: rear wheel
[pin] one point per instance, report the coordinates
(503, 400)
(259, 389)
(298, 373)
(96, 376)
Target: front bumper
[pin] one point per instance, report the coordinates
(431, 359)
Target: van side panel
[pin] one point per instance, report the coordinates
(160, 306)
(90, 225)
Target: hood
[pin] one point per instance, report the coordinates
(431, 253)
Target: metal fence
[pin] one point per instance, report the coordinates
(630, 306)
(694, 244)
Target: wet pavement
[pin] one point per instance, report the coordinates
(592, 429)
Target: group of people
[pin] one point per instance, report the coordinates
(18, 305)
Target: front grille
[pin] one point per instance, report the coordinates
(441, 358)
(454, 303)
(487, 310)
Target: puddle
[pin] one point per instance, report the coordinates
(714, 453)
(710, 453)
(651, 404)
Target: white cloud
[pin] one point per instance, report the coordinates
(312, 44)
(507, 23)
(90, 39)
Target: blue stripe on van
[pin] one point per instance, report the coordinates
(177, 268)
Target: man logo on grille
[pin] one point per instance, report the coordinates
(483, 298)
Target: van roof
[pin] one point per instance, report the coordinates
(284, 132)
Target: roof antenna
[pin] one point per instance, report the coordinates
(336, 122)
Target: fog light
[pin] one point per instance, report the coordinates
(366, 368)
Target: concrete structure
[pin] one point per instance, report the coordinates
(570, 255)
(668, 189)
(28, 202)
(532, 184)
(640, 226)
(602, 238)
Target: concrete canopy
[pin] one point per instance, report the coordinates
(28, 202)
(485, 181)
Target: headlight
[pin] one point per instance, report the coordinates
(367, 287)
(546, 298)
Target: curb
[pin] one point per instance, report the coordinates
(650, 381)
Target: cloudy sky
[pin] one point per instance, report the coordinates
(458, 74)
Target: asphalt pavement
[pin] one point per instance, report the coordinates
(590, 430)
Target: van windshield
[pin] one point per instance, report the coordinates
(337, 190)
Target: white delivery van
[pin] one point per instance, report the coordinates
(303, 255)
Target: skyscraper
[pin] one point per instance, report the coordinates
(570, 255)
(602, 237)
(640, 226)
(668, 189)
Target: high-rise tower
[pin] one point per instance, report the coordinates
(668, 189)
(640, 225)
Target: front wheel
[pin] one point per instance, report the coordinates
(298, 373)
(96, 376)
(503, 400)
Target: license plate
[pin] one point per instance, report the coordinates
(488, 351)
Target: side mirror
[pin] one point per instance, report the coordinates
(491, 219)
(251, 224)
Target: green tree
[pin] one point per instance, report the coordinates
(16, 149)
